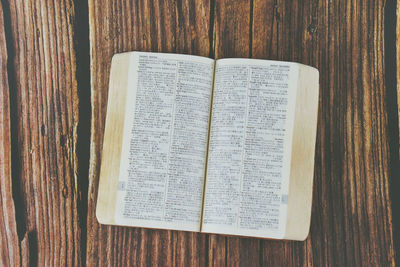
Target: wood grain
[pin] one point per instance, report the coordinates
(352, 217)
(45, 103)
(9, 244)
(119, 26)
(43, 96)
(351, 221)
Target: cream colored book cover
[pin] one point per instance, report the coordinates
(217, 146)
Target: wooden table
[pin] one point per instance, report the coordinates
(54, 67)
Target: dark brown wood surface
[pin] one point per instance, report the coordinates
(8, 228)
(42, 89)
(55, 60)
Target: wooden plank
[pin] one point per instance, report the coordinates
(45, 100)
(351, 222)
(119, 26)
(9, 244)
(352, 217)
(232, 28)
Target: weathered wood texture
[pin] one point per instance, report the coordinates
(352, 216)
(9, 252)
(44, 105)
(351, 222)
(41, 68)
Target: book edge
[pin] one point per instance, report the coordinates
(113, 137)
(302, 163)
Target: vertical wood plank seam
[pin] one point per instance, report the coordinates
(16, 192)
(226, 251)
(9, 224)
(391, 84)
(17, 196)
(81, 143)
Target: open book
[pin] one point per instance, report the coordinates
(216, 146)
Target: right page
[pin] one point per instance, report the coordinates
(247, 179)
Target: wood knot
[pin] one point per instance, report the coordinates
(43, 130)
(62, 140)
(277, 15)
(312, 28)
(65, 192)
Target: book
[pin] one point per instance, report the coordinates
(215, 146)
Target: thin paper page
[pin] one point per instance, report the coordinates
(165, 137)
(250, 147)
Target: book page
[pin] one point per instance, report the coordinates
(165, 137)
(250, 147)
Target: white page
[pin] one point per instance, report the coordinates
(250, 147)
(165, 137)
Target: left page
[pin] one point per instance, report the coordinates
(163, 157)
